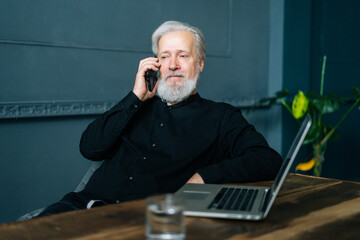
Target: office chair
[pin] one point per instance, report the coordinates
(88, 174)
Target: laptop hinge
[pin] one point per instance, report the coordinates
(266, 199)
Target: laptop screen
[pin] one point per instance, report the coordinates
(290, 157)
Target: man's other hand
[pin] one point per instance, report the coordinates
(196, 178)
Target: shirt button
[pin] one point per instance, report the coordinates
(153, 144)
(161, 124)
(131, 178)
(144, 158)
(135, 106)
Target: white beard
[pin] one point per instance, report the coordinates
(175, 92)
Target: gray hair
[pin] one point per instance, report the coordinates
(171, 26)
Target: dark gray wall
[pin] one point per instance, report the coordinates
(78, 50)
(64, 62)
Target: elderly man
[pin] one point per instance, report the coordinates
(155, 144)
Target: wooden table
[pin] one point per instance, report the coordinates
(306, 208)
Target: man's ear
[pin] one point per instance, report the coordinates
(201, 65)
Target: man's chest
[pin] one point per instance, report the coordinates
(173, 131)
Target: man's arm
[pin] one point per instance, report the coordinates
(101, 136)
(246, 156)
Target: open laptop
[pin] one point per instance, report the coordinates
(239, 202)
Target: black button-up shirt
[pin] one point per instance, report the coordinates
(150, 147)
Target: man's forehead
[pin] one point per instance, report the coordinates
(169, 51)
(176, 41)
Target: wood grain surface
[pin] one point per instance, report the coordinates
(306, 208)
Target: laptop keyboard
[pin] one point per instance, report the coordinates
(240, 199)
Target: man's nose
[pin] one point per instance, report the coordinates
(174, 64)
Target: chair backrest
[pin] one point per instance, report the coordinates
(85, 179)
(88, 174)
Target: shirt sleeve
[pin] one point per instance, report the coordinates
(101, 136)
(245, 154)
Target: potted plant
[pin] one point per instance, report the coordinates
(316, 105)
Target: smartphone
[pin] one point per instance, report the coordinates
(151, 77)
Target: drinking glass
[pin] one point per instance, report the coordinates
(165, 218)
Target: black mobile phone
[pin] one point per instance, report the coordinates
(151, 77)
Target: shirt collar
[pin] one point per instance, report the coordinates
(191, 98)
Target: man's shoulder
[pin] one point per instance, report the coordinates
(218, 104)
(224, 112)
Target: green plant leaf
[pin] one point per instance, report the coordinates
(330, 106)
(300, 105)
(325, 104)
(313, 134)
(336, 97)
(281, 94)
(269, 101)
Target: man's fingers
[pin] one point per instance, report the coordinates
(149, 63)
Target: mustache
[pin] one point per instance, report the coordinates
(174, 73)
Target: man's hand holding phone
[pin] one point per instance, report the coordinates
(141, 87)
